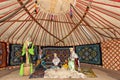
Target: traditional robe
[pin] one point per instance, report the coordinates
(56, 61)
(74, 61)
(41, 61)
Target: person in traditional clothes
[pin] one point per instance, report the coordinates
(65, 65)
(27, 51)
(73, 60)
(56, 60)
(41, 60)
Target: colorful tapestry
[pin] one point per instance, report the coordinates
(89, 54)
(15, 54)
(62, 53)
(3, 54)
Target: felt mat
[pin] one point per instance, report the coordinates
(88, 72)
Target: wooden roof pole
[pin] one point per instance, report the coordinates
(87, 9)
(4, 19)
(41, 20)
(21, 3)
(96, 30)
(99, 32)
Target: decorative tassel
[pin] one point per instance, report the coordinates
(36, 7)
(51, 17)
(71, 13)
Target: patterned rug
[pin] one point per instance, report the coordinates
(38, 73)
(88, 72)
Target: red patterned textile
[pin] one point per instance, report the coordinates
(3, 54)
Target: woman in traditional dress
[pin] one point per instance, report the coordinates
(56, 60)
(73, 60)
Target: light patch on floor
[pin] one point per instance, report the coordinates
(15, 76)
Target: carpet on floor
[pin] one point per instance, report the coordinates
(38, 73)
(88, 72)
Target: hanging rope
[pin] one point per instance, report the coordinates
(71, 12)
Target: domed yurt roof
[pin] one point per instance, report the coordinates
(59, 22)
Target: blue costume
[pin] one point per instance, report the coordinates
(40, 61)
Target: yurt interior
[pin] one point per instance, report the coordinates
(59, 39)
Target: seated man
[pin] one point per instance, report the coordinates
(40, 61)
(55, 61)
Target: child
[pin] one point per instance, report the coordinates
(65, 65)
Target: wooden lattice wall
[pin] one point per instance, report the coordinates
(111, 54)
